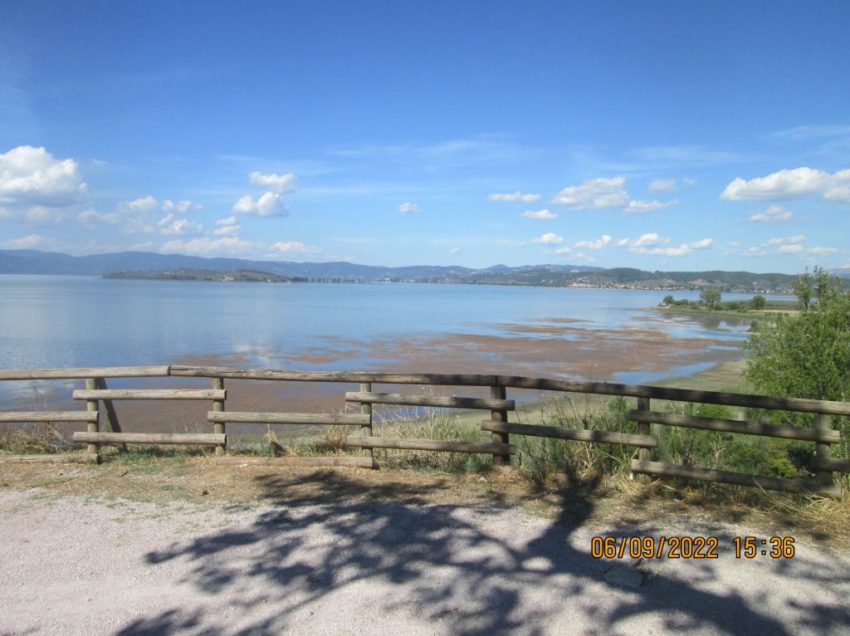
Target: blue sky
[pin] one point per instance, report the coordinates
(660, 135)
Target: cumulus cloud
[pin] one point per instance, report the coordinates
(550, 238)
(598, 244)
(595, 194)
(268, 204)
(663, 185)
(787, 240)
(93, 218)
(181, 207)
(541, 215)
(294, 247)
(791, 183)
(409, 208)
(25, 242)
(279, 183)
(170, 225)
(515, 196)
(31, 176)
(654, 244)
(773, 213)
(205, 245)
(636, 206)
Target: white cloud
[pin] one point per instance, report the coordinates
(653, 244)
(595, 194)
(144, 205)
(181, 207)
(205, 245)
(598, 244)
(279, 183)
(269, 204)
(25, 242)
(455, 250)
(515, 196)
(289, 247)
(689, 181)
(227, 230)
(787, 240)
(820, 249)
(636, 206)
(755, 251)
(794, 248)
(409, 208)
(542, 215)
(563, 250)
(791, 183)
(31, 176)
(550, 238)
(170, 225)
(92, 218)
(229, 220)
(663, 185)
(770, 214)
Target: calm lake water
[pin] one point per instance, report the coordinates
(66, 321)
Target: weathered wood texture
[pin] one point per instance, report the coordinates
(735, 426)
(431, 445)
(723, 476)
(499, 416)
(83, 372)
(358, 462)
(108, 407)
(840, 465)
(61, 458)
(218, 407)
(183, 439)
(430, 400)
(366, 409)
(577, 435)
(344, 376)
(48, 416)
(150, 394)
(352, 419)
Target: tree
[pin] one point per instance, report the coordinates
(807, 355)
(710, 297)
(668, 300)
(758, 302)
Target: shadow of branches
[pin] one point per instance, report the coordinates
(357, 555)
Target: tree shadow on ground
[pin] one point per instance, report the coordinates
(462, 570)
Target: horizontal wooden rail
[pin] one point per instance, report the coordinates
(840, 465)
(430, 400)
(229, 417)
(58, 458)
(734, 426)
(48, 416)
(727, 477)
(184, 439)
(344, 376)
(150, 394)
(492, 448)
(518, 382)
(578, 435)
(84, 372)
(357, 462)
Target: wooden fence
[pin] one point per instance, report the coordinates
(99, 400)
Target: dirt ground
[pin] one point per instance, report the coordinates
(162, 546)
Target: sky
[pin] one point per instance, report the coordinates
(670, 135)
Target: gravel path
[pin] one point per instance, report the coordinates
(71, 565)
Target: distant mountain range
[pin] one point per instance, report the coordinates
(38, 262)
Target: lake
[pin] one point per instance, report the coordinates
(67, 321)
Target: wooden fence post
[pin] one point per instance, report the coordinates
(823, 453)
(109, 407)
(92, 427)
(366, 409)
(499, 393)
(644, 428)
(218, 406)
